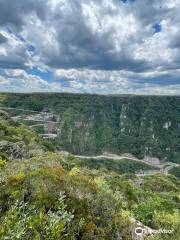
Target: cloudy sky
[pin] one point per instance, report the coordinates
(94, 46)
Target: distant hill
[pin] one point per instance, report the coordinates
(92, 124)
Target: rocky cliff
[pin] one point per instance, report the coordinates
(145, 126)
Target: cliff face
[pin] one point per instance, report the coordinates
(91, 124)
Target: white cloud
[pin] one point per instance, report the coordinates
(104, 46)
(116, 82)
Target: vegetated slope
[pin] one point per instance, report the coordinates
(92, 124)
(48, 195)
(17, 141)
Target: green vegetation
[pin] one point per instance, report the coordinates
(92, 124)
(176, 172)
(17, 140)
(118, 166)
(48, 195)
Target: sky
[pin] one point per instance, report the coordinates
(90, 46)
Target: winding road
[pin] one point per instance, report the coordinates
(163, 167)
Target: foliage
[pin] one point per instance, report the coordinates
(23, 221)
(49, 195)
(2, 163)
(176, 172)
(118, 166)
(141, 125)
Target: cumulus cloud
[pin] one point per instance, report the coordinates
(105, 46)
(13, 13)
(18, 80)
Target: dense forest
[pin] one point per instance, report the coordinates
(50, 195)
(92, 124)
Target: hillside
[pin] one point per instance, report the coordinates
(51, 195)
(17, 141)
(92, 124)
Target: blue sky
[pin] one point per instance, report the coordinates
(104, 46)
(157, 28)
